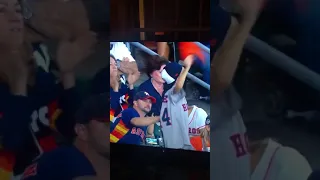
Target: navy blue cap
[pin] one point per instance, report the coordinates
(173, 69)
(142, 95)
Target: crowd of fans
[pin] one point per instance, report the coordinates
(43, 126)
(137, 110)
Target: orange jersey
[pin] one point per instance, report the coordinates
(196, 142)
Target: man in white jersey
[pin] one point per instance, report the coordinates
(229, 158)
(270, 160)
(174, 109)
(197, 121)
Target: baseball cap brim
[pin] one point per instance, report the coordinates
(153, 100)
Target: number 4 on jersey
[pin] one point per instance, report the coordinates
(165, 117)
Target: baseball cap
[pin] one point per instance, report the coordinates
(93, 108)
(142, 95)
(172, 70)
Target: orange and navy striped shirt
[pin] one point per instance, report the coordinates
(122, 131)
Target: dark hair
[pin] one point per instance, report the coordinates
(154, 63)
(113, 57)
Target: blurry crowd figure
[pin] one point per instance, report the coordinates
(39, 94)
(242, 151)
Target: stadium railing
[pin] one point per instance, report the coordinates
(190, 76)
(281, 60)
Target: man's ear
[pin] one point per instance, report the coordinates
(135, 103)
(81, 132)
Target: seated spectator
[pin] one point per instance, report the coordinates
(199, 128)
(131, 127)
(88, 156)
(45, 105)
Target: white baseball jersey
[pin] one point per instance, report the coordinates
(229, 157)
(196, 121)
(174, 120)
(281, 163)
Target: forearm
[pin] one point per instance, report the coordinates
(144, 121)
(225, 61)
(182, 77)
(150, 130)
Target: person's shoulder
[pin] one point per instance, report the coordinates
(201, 112)
(145, 84)
(285, 156)
(45, 165)
(290, 154)
(57, 154)
(129, 111)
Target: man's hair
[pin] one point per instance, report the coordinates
(154, 63)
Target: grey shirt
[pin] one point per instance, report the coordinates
(174, 120)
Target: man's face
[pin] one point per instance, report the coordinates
(144, 105)
(156, 75)
(99, 137)
(11, 23)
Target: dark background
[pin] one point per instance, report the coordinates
(178, 19)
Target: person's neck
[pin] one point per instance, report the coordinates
(114, 84)
(158, 86)
(257, 155)
(97, 160)
(141, 113)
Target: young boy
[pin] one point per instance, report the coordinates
(174, 109)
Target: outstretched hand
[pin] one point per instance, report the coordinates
(132, 78)
(128, 67)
